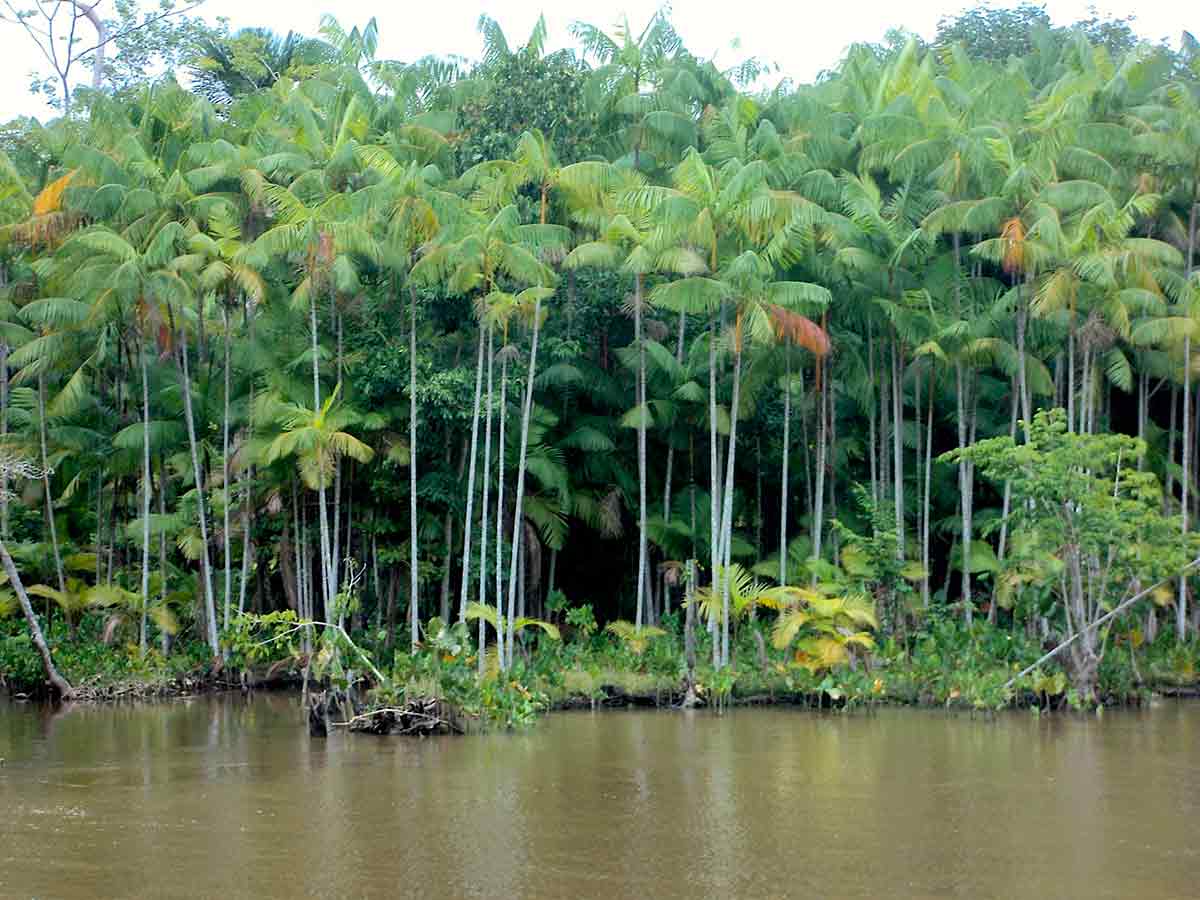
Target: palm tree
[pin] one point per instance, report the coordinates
(637, 82)
(219, 263)
(631, 242)
(759, 302)
(326, 231)
(318, 439)
(482, 259)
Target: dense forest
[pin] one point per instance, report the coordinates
(607, 336)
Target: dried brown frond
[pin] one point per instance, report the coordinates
(799, 330)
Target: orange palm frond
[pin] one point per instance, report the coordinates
(50, 198)
(1012, 233)
(799, 330)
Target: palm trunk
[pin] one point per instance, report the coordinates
(1071, 372)
(210, 610)
(1170, 481)
(715, 484)
(448, 569)
(818, 525)
(1181, 601)
(783, 468)
(500, 448)
(641, 449)
(1007, 502)
(727, 498)
(1022, 365)
(484, 521)
(335, 555)
(413, 596)
(59, 684)
(885, 417)
(298, 544)
(898, 443)
(322, 510)
(965, 503)
(228, 547)
(926, 506)
(50, 523)
(519, 496)
(667, 489)
(3, 436)
(248, 478)
(162, 548)
(247, 547)
(147, 484)
(466, 554)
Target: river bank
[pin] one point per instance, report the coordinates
(606, 691)
(945, 665)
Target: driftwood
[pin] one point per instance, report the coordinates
(424, 716)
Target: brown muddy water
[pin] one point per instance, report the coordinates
(229, 797)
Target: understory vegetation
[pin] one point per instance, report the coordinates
(606, 375)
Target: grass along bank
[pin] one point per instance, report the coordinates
(939, 662)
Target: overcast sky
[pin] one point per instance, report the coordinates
(802, 38)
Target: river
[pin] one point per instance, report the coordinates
(229, 797)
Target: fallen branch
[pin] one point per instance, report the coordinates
(300, 626)
(1120, 607)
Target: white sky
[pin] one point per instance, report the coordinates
(802, 38)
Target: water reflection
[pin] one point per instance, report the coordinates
(228, 796)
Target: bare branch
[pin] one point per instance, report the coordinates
(120, 34)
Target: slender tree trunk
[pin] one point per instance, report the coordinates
(247, 547)
(301, 607)
(210, 610)
(1181, 602)
(727, 498)
(898, 442)
(883, 438)
(965, 503)
(248, 551)
(872, 432)
(500, 448)
(1022, 361)
(519, 495)
(466, 557)
(393, 590)
(783, 467)
(689, 635)
(804, 444)
(413, 595)
(162, 549)
(818, 524)
(484, 521)
(715, 488)
(50, 523)
(326, 547)
(226, 542)
(58, 684)
(4, 437)
(147, 486)
(1143, 383)
(1071, 373)
(1171, 448)
(1007, 502)
(335, 555)
(641, 450)
(928, 511)
(667, 489)
(447, 572)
